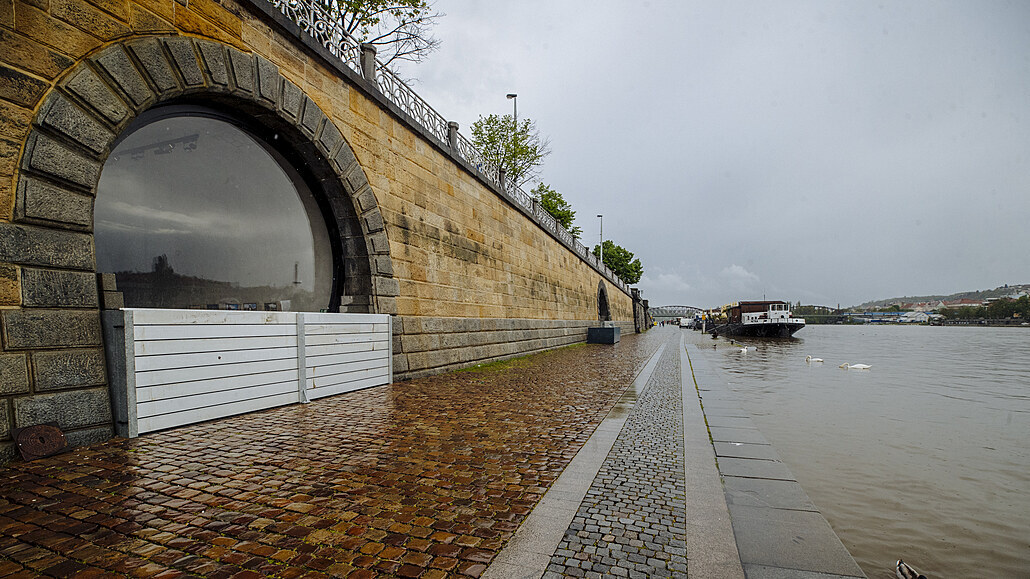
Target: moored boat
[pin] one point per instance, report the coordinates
(759, 319)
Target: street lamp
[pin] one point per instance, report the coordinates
(515, 102)
(601, 257)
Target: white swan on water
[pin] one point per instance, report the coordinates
(810, 359)
(847, 366)
(904, 571)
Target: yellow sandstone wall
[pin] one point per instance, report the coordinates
(458, 249)
(469, 277)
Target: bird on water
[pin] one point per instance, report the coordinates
(810, 359)
(847, 366)
(905, 571)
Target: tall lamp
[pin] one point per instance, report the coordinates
(515, 103)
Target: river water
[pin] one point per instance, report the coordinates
(925, 456)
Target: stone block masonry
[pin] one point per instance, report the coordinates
(429, 345)
(471, 276)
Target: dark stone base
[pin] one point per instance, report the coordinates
(603, 335)
(429, 345)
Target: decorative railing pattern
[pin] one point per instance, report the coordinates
(326, 29)
(400, 94)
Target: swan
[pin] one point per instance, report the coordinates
(905, 572)
(810, 359)
(847, 366)
(743, 350)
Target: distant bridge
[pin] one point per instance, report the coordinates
(673, 311)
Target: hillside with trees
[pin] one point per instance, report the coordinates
(981, 295)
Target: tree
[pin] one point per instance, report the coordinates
(399, 29)
(1009, 308)
(516, 149)
(557, 206)
(621, 262)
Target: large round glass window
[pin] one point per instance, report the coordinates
(194, 212)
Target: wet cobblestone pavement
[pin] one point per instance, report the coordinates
(632, 521)
(426, 478)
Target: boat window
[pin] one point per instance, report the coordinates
(193, 211)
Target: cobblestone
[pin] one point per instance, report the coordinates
(632, 522)
(426, 478)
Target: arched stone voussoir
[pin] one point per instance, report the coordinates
(95, 100)
(60, 115)
(85, 85)
(311, 117)
(153, 62)
(122, 75)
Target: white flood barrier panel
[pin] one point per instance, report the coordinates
(186, 366)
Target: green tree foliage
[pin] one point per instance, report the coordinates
(557, 206)
(621, 262)
(400, 29)
(816, 314)
(517, 149)
(964, 313)
(1009, 308)
(998, 309)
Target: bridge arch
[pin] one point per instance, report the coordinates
(99, 99)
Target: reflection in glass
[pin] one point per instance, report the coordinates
(193, 212)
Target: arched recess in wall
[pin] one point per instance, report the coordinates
(112, 93)
(604, 313)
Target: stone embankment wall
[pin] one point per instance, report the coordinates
(469, 276)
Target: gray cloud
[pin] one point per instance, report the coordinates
(834, 152)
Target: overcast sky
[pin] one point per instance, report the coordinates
(828, 152)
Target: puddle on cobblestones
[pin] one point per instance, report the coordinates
(623, 407)
(439, 471)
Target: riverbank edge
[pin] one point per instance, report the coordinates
(778, 531)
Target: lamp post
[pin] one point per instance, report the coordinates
(515, 103)
(601, 246)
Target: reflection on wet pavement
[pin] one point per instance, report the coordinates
(424, 478)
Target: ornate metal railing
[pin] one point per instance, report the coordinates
(325, 27)
(400, 94)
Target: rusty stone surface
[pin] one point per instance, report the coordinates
(426, 478)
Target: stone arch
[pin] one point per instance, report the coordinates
(80, 120)
(604, 312)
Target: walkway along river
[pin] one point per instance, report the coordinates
(923, 457)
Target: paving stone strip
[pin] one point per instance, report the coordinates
(528, 553)
(426, 478)
(632, 522)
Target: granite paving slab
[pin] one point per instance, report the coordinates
(745, 450)
(789, 539)
(767, 572)
(777, 494)
(753, 468)
(725, 434)
(711, 547)
(730, 422)
(725, 411)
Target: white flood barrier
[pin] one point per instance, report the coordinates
(185, 366)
